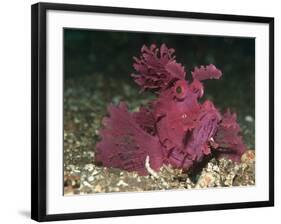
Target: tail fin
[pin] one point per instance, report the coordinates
(228, 138)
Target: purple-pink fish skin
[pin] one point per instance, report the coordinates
(175, 128)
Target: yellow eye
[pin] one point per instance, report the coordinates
(180, 89)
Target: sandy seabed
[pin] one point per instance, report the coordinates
(85, 103)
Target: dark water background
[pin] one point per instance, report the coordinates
(98, 64)
(108, 53)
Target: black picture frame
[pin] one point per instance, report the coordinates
(39, 122)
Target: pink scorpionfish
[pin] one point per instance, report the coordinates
(173, 129)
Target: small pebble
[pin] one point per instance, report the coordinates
(91, 178)
(249, 118)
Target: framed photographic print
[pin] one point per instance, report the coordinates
(139, 111)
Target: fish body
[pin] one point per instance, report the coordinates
(173, 129)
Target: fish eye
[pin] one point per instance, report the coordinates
(180, 89)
